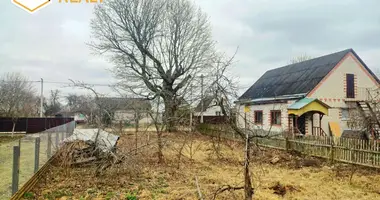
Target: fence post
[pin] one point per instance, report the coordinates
(37, 155)
(56, 140)
(16, 167)
(49, 145)
(62, 135)
(332, 149)
(287, 143)
(26, 125)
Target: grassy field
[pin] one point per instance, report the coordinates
(27, 153)
(215, 164)
(5, 138)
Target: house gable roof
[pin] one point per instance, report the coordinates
(298, 78)
(116, 103)
(206, 104)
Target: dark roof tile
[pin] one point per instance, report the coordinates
(296, 78)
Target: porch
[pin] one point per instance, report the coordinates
(305, 117)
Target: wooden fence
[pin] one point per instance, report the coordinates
(348, 150)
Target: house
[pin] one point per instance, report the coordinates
(211, 111)
(78, 116)
(312, 97)
(210, 107)
(126, 110)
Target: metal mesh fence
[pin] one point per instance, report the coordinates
(20, 159)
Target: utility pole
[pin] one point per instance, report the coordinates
(42, 97)
(202, 77)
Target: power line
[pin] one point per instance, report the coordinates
(64, 83)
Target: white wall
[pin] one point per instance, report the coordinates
(210, 111)
(127, 115)
(266, 108)
(332, 90)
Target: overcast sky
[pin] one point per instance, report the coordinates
(50, 44)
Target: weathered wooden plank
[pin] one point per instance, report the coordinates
(362, 154)
(345, 150)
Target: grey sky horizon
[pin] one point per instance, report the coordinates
(51, 44)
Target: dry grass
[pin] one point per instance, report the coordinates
(26, 161)
(141, 174)
(6, 137)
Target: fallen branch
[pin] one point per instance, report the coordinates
(226, 188)
(198, 189)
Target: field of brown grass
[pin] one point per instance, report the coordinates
(290, 177)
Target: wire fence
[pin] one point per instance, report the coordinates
(21, 159)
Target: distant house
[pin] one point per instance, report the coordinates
(312, 97)
(127, 110)
(78, 117)
(211, 111)
(210, 107)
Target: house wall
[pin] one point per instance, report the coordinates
(210, 111)
(80, 117)
(266, 109)
(332, 90)
(128, 115)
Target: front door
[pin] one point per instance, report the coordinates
(301, 124)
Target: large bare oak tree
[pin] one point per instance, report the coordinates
(157, 46)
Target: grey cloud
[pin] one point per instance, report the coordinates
(270, 33)
(51, 43)
(327, 25)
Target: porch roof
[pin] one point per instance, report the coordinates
(308, 105)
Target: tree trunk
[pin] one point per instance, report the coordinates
(13, 128)
(160, 147)
(169, 115)
(136, 143)
(248, 191)
(137, 119)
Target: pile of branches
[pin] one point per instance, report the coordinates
(80, 154)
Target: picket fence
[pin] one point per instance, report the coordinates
(347, 150)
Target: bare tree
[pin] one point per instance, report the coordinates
(157, 46)
(79, 103)
(300, 58)
(225, 90)
(101, 109)
(16, 97)
(83, 104)
(156, 117)
(52, 106)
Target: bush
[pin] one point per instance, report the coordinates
(131, 195)
(204, 128)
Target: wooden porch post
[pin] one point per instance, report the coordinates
(296, 122)
(312, 124)
(320, 123)
(289, 123)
